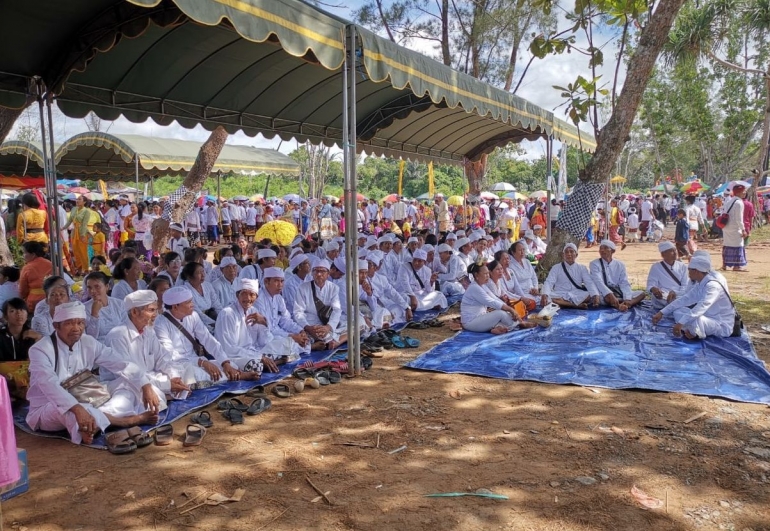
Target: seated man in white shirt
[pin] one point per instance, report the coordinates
(135, 339)
(667, 279)
(243, 333)
(417, 283)
(265, 258)
(705, 310)
(181, 332)
(569, 284)
(611, 279)
(536, 246)
(317, 309)
(225, 286)
(177, 242)
(452, 278)
(300, 266)
(67, 352)
(272, 306)
(385, 291)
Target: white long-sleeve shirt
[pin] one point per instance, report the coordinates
(304, 305)
(46, 375)
(710, 301)
(476, 301)
(290, 287)
(109, 317)
(386, 291)
(557, 281)
(237, 338)
(525, 274)
(452, 271)
(122, 288)
(658, 278)
(616, 276)
(225, 291)
(209, 300)
(181, 348)
(279, 318)
(144, 350)
(407, 283)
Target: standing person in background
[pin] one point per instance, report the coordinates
(695, 220)
(374, 214)
(733, 248)
(141, 223)
(748, 219)
(192, 222)
(399, 212)
(98, 242)
(251, 222)
(225, 222)
(441, 214)
(212, 222)
(553, 214)
(647, 217)
(79, 218)
(30, 222)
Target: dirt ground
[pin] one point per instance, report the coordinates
(567, 457)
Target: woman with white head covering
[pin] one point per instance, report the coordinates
(569, 284)
(205, 297)
(521, 268)
(475, 313)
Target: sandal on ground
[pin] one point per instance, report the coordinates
(398, 342)
(194, 434)
(411, 342)
(282, 391)
(141, 439)
(232, 403)
(118, 443)
(303, 373)
(235, 416)
(257, 392)
(258, 406)
(335, 377)
(366, 363)
(434, 323)
(164, 435)
(323, 378)
(371, 354)
(417, 325)
(202, 419)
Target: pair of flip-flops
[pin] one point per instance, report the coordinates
(127, 440)
(233, 409)
(404, 342)
(194, 435)
(202, 418)
(164, 435)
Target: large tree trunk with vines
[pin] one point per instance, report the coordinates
(183, 199)
(476, 171)
(573, 224)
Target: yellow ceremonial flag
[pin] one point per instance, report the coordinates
(431, 186)
(103, 188)
(401, 177)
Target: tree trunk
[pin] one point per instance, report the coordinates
(572, 226)
(445, 55)
(183, 199)
(6, 258)
(476, 171)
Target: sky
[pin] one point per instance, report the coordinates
(536, 88)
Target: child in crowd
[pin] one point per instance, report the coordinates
(98, 241)
(682, 234)
(633, 225)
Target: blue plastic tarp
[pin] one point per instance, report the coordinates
(606, 348)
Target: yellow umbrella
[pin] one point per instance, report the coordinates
(618, 179)
(280, 232)
(455, 200)
(257, 197)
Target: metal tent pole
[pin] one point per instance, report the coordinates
(54, 245)
(349, 165)
(136, 176)
(549, 170)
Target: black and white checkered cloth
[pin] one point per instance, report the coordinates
(173, 199)
(577, 212)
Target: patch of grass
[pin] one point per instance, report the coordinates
(760, 235)
(753, 311)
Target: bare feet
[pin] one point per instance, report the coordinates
(499, 329)
(689, 335)
(87, 438)
(527, 324)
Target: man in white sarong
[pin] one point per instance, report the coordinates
(569, 284)
(225, 286)
(416, 282)
(611, 279)
(326, 329)
(272, 306)
(385, 291)
(135, 339)
(667, 279)
(201, 353)
(705, 309)
(242, 331)
(450, 272)
(67, 352)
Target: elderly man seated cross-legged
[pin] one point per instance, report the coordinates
(67, 352)
(136, 341)
(181, 331)
(417, 283)
(705, 309)
(569, 284)
(272, 306)
(668, 278)
(317, 309)
(611, 279)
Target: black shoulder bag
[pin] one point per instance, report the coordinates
(84, 386)
(614, 289)
(198, 347)
(324, 311)
(670, 273)
(581, 288)
(414, 272)
(738, 323)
